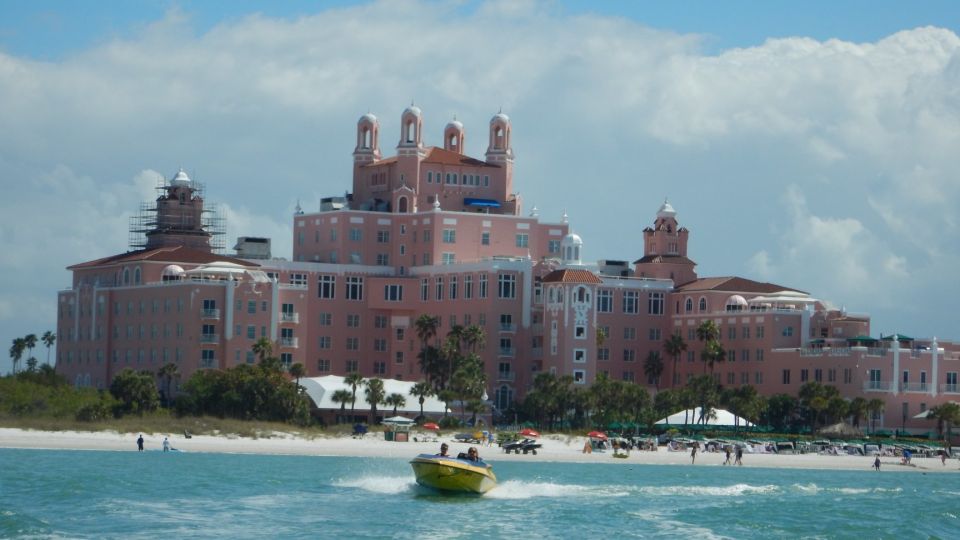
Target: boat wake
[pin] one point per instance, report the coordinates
(389, 485)
(519, 489)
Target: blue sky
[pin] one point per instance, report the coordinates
(808, 144)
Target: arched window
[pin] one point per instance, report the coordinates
(498, 138)
(583, 296)
(703, 304)
(688, 305)
(366, 138)
(504, 397)
(453, 140)
(410, 131)
(126, 276)
(402, 205)
(136, 276)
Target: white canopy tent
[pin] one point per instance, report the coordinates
(719, 417)
(321, 389)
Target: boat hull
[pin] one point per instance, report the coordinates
(453, 475)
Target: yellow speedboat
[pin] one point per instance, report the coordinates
(453, 474)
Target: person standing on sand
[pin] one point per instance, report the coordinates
(140, 443)
(166, 444)
(726, 450)
(693, 454)
(876, 463)
(739, 459)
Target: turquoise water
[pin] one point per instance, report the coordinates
(76, 494)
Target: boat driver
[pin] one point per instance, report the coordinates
(472, 454)
(443, 450)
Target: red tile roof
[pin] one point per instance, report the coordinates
(173, 255)
(668, 259)
(733, 284)
(571, 276)
(442, 157)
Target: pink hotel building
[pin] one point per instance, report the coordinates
(433, 231)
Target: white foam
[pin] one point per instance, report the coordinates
(379, 484)
(518, 489)
(734, 490)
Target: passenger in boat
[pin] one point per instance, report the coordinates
(443, 450)
(472, 454)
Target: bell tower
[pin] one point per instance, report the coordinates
(665, 249)
(454, 136)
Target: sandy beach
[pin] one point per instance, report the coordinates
(556, 448)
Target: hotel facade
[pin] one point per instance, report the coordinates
(433, 231)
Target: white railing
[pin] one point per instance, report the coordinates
(506, 351)
(508, 327)
(289, 342)
(508, 376)
(290, 317)
(536, 352)
(949, 388)
(210, 313)
(878, 386)
(876, 351)
(209, 338)
(915, 387)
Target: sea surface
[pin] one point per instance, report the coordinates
(156, 495)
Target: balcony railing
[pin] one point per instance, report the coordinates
(536, 328)
(949, 388)
(915, 387)
(878, 386)
(208, 363)
(290, 317)
(839, 351)
(210, 313)
(506, 351)
(536, 352)
(508, 327)
(288, 342)
(507, 376)
(209, 338)
(876, 351)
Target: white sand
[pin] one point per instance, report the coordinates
(559, 448)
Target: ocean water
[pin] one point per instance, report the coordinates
(130, 495)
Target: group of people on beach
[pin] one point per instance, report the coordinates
(737, 452)
(166, 444)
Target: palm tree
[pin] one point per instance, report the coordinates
(875, 406)
(168, 371)
(653, 368)
(426, 326)
(421, 390)
(474, 337)
(857, 409)
(48, 338)
(946, 415)
(297, 371)
(375, 395)
(395, 400)
(713, 353)
(342, 397)
(263, 348)
(708, 333)
(30, 340)
(353, 380)
(601, 337)
(674, 347)
(16, 351)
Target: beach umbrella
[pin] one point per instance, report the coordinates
(399, 420)
(431, 425)
(597, 435)
(530, 432)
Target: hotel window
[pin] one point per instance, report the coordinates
(379, 345)
(326, 319)
(251, 332)
(383, 237)
(448, 258)
(449, 236)
(424, 289)
(439, 283)
(759, 332)
(786, 376)
(380, 321)
(580, 356)
(951, 382)
(379, 368)
(631, 302)
(352, 366)
(393, 293)
(788, 331)
(251, 306)
(579, 375)
(731, 378)
(628, 376)
(831, 375)
(818, 375)
(603, 354)
(429, 177)
(326, 287)
(804, 375)
(333, 235)
(746, 332)
(483, 286)
(758, 377)
(427, 235)
(703, 304)
(453, 287)
(691, 356)
(629, 333)
(506, 286)
(745, 355)
(383, 259)
(353, 320)
(325, 342)
(486, 181)
(629, 355)
(398, 357)
(286, 359)
(522, 240)
(655, 303)
(323, 365)
(354, 288)
(580, 332)
(298, 280)
(688, 305)
(654, 334)
(207, 358)
(399, 333)
(691, 334)
(604, 301)
(353, 344)
(732, 332)
(468, 286)
(485, 238)
(356, 235)
(759, 355)
(553, 246)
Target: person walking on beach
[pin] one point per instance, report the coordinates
(693, 453)
(726, 450)
(140, 443)
(876, 463)
(739, 456)
(166, 444)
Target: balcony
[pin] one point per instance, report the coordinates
(876, 351)
(207, 363)
(210, 314)
(508, 327)
(290, 317)
(536, 329)
(915, 387)
(209, 338)
(949, 388)
(506, 376)
(288, 342)
(506, 351)
(878, 386)
(536, 352)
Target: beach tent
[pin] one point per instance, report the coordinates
(398, 420)
(719, 417)
(320, 390)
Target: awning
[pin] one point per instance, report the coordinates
(485, 203)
